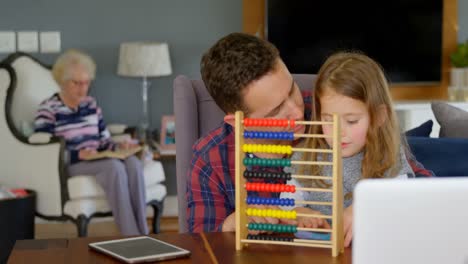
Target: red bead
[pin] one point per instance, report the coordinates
(261, 122)
(246, 122)
(254, 122)
(274, 122)
(270, 122)
(293, 188)
(292, 123)
(277, 187)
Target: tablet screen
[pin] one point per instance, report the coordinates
(139, 247)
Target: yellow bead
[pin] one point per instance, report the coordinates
(289, 148)
(248, 211)
(294, 215)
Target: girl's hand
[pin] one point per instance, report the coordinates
(307, 222)
(85, 153)
(348, 225)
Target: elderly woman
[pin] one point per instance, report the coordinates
(76, 117)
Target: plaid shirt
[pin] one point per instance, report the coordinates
(211, 185)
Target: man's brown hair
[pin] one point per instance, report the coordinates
(232, 64)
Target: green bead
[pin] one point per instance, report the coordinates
(294, 229)
(288, 163)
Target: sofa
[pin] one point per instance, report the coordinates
(446, 155)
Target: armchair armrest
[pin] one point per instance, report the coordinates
(116, 129)
(40, 138)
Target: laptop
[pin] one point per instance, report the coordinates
(411, 221)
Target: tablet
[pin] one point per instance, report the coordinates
(139, 249)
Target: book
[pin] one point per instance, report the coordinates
(117, 154)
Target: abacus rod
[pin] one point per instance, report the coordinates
(312, 150)
(299, 162)
(302, 123)
(314, 203)
(311, 202)
(252, 241)
(314, 189)
(311, 136)
(324, 242)
(313, 122)
(320, 230)
(315, 216)
(311, 177)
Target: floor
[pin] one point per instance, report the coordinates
(100, 227)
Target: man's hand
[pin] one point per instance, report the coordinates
(85, 153)
(348, 225)
(229, 223)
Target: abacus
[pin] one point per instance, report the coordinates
(327, 238)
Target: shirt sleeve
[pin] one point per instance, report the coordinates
(297, 195)
(105, 139)
(45, 119)
(207, 205)
(418, 168)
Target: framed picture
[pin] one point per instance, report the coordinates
(167, 141)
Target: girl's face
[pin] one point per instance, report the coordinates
(355, 121)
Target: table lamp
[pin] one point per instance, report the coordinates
(144, 59)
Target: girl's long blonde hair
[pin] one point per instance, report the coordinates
(359, 77)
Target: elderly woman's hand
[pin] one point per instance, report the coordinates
(127, 145)
(85, 153)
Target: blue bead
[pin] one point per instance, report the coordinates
(270, 135)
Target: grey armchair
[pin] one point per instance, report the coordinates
(197, 114)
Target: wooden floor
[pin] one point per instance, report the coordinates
(104, 227)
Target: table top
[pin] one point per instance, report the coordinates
(204, 247)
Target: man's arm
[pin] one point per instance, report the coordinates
(418, 168)
(207, 203)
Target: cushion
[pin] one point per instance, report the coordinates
(453, 121)
(444, 156)
(40, 138)
(85, 186)
(423, 130)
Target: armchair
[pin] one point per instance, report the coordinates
(197, 114)
(39, 165)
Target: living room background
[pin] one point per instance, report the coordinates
(98, 28)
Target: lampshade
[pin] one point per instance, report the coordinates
(144, 59)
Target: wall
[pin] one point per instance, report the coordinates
(98, 28)
(462, 20)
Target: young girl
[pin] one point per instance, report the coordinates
(353, 86)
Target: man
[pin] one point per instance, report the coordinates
(241, 72)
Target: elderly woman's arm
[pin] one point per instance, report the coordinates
(106, 142)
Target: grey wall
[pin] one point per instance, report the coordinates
(99, 26)
(462, 20)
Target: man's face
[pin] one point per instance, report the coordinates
(277, 96)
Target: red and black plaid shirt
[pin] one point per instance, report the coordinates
(211, 185)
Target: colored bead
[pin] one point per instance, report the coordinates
(292, 123)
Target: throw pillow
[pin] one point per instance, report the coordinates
(446, 157)
(423, 130)
(453, 121)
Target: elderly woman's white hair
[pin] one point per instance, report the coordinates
(70, 59)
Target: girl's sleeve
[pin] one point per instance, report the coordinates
(297, 196)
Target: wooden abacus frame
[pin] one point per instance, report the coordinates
(336, 242)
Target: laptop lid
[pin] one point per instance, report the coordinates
(411, 221)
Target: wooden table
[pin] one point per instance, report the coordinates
(205, 248)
